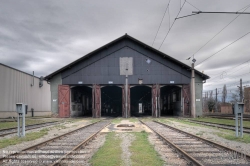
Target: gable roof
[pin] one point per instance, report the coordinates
(48, 77)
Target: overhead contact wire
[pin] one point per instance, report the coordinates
(171, 25)
(167, 8)
(220, 31)
(223, 48)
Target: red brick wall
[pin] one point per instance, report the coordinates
(226, 109)
(247, 100)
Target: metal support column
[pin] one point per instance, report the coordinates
(126, 97)
(23, 125)
(241, 91)
(18, 125)
(193, 111)
(236, 125)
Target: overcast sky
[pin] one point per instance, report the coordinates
(46, 35)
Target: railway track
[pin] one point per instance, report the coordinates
(13, 130)
(197, 150)
(223, 126)
(62, 150)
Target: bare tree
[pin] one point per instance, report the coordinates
(235, 96)
(205, 99)
(211, 102)
(224, 94)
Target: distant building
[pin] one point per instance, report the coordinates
(19, 87)
(247, 100)
(94, 85)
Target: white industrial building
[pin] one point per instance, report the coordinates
(19, 87)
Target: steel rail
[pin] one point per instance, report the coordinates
(223, 126)
(83, 143)
(14, 128)
(46, 142)
(189, 158)
(205, 140)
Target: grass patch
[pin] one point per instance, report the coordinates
(230, 135)
(143, 153)
(183, 121)
(117, 120)
(59, 127)
(94, 120)
(133, 119)
(29, 137)
(110, 153)
(73, 120)
(6, 125)
(200, 133)
(222, 121)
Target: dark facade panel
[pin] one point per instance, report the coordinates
(94, 58)
(105, 69)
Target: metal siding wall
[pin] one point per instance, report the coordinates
(107, 69)
(15, 88)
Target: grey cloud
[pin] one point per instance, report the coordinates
(46, 35)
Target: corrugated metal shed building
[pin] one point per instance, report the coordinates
(93, 85)
(15, 87)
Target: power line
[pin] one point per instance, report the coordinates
(239, 69)
(242, 75)
(171, 25)
(219, 32)
(192, 5)
(230, 69)
(167, 8)
(244, 7)
(223, 48)
(199, 12)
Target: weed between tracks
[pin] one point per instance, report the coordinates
(59, 127)
(230, 135)
(143, 153)
(222, 121)
(118, 120)
(110, 153)
(226, 134)
(29, 137)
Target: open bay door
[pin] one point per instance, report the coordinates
(186, 99)
(124, 102)
(96, 101)
(156, 93)
(64, 101)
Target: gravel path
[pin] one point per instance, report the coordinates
(208, 133)
(127, 139)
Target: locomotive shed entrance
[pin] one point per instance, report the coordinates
(94, 85)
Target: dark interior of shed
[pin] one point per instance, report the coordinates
(170, 100)
(111, 101)
(140, 99)
(81, 101)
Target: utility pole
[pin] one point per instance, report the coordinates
(193, 111)
(216, 109)
(241, 91)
